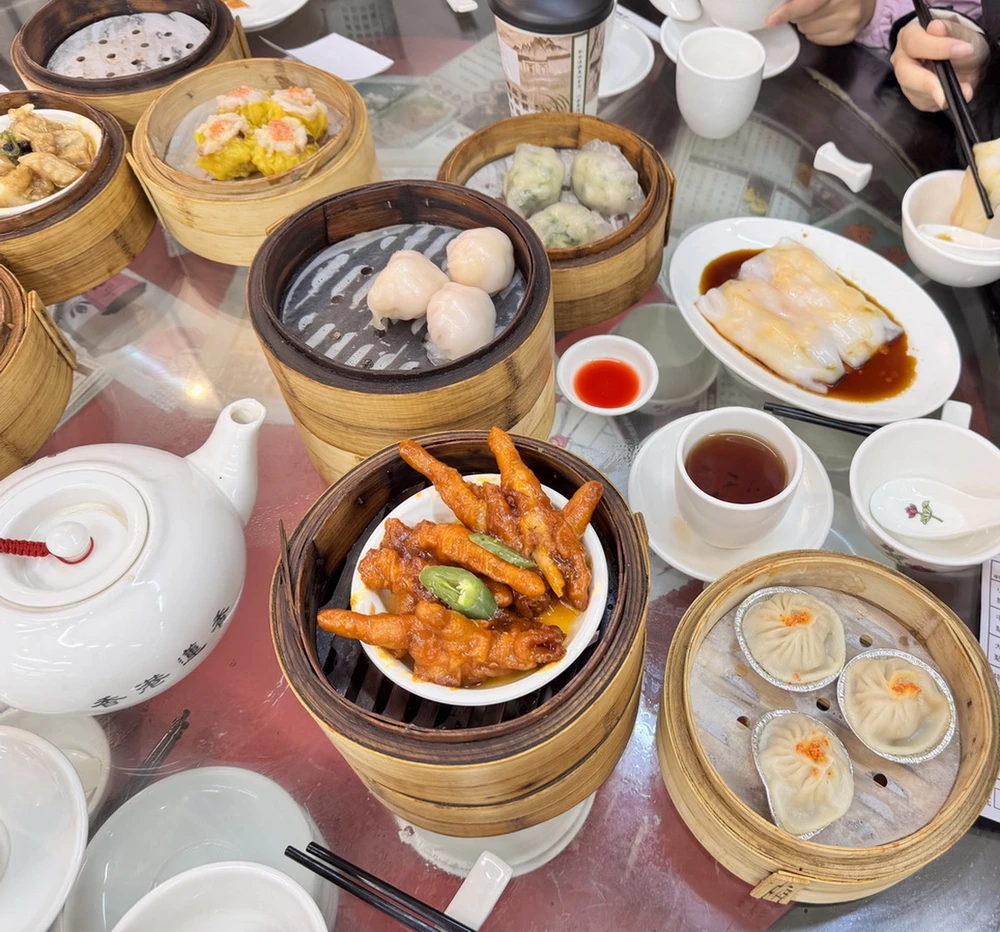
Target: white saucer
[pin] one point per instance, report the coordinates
(186, 820)
(651, 491)
(628, 58)
(81, 738)
(43, 830)
(781, 44)
(263, 14)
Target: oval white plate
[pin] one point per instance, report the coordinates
(930, 336)
(74, 120)
(628, 58)
(263, 14)
(426, 505)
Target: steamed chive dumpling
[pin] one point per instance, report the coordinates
(535, 179)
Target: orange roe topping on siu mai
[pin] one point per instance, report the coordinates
(281, 131)
(801, 617)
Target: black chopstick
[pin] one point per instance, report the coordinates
(149, 768)
(405, 909)
(958, 109)
(807, 417)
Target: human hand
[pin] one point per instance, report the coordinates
(944, 40)
(825, 22)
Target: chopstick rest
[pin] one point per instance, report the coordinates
(855, 175)
(480, 891)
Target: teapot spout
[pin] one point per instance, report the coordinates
(229, 456)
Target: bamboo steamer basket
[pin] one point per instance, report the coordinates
(595, 282)
(466, 772)
(125, 98)
(227, 221)
(88, 234)
(345, 414)
(780, 867)
(36, 374)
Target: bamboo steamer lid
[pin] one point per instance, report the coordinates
(781, 867)
(227, 221)
(463, 771)
(36, 374)
(125, 97)
(91, 232)
(346, 413)
(596, 282)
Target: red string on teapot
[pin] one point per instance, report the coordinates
(36, 548)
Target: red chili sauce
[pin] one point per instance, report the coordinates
(606, 383)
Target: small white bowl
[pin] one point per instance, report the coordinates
(931, 199)
(608, 346)
(228, 896)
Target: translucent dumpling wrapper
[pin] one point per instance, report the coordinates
(561, 225)
(605, 181)
(894, 706)
(968, 212)
(460, 320)
(807, 773)
(859, 328)
(761, 321)
(796, 638)
(403, 289)
(535, 179)
(482, 258)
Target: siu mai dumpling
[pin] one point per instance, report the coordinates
(858, 327)
(482, 258)
(280, 145)
(968, 212)
(460, 320)
(403, 289)
(301, 102)
(807, 773)
(763, 323)
(223, 149)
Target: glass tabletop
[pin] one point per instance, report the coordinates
(167, 343)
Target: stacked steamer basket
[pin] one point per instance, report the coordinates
(226, 221)
(349, 401)
(903, 816)
(595, 282)
(36, 374)
(92, 230)
(155, 57)
(470, 771)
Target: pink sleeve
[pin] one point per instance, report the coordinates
(876, 33)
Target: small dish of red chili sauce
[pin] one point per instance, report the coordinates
(607, 374)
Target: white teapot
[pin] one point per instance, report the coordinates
(145, 565)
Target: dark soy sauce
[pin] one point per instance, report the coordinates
(736, 468)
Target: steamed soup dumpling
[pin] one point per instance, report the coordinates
(535, 179)
(482, 258)
(460, 320)
(894, 706)
(403, 289)
(796, 638)
(563, 225)
(807, 773)
(604, 180)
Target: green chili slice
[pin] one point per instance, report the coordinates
(501, 550)
(460, 590)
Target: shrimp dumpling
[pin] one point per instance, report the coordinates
(402, 290)
(482, 258)
(807, 773)
(460, 320)
(796, 638)
(604, 180)
(535, 179)
(894, 706)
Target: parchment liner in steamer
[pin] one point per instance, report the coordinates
(749, 602)
(934, 675)
(325, 309)
(755, 750)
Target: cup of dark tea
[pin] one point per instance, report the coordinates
(735, 472)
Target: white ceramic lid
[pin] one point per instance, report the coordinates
(68, 506)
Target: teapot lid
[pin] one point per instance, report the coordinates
(95, 522)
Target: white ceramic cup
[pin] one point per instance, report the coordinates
(719, 73)
(725, 524)
(747, 15)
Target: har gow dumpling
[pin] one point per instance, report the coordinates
(482, 258)
(460, 320)
(796, 638)
(604, 180)
(563, 225)
(807, 773)
(403, 289)
(535, 179)
(895, 706)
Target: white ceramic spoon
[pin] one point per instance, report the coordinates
(963, 244)
(931, 510)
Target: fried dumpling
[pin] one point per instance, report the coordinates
(482, 258)
(74, 147)
(403, 289)
(460, 320)
(51, 167)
